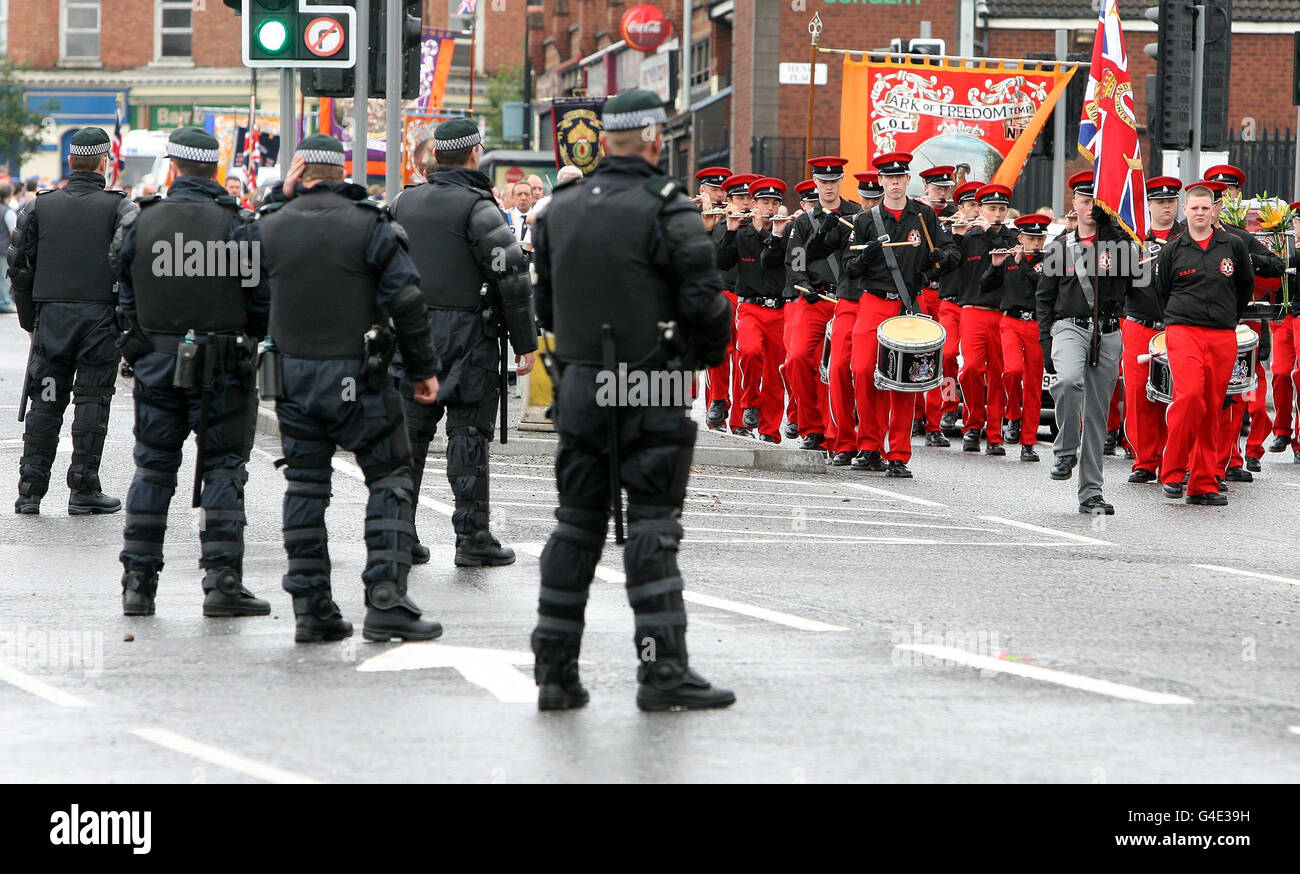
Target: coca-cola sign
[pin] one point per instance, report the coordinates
(645, 28)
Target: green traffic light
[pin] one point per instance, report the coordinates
(272, 36)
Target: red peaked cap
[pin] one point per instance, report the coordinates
(1163, 187)
(805, 188)
(1226, 173)
(1034, 224)
(966, 191)
(893, 164)
(828, 168)
(940, 175)
(1081, 182)
(735, 184)
(713, 175)
(994, 193)
(767, 186)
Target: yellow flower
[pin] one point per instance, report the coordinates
(1271, 214)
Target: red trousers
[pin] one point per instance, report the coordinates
(1283, 366)
(1115, 417)
(1022, 375)
(1200, 360)
(1144, 420)
(791, 408)
(760, 351)
(803, 357)
(842, 436)
(935, 400)
(723, 379)
(883, 415)
(981, 371)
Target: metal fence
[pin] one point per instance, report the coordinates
(783, 157)
(1268, 162)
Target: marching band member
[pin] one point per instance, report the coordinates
(1022, 354)
(1078, 325)
(1144, 419)
(807, 190)
(938, 194)
(813, 260)
(846, 425)
(756, 247)
(981, 322)
(1204, 279)
(1286, 365)
(718, 391)
(884, 273)
(950, 285)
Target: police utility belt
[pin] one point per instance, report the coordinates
(1109, 324)
(197, 363)
(769, 303)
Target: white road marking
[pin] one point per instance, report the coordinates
(1079, 538)
(1046, 675)
(492, 669)
(607, 574)
(39, 688)
(723, 514)
(550, 502)
(895, 495)
(219, 757)
(1241, 573)
(1294, 729)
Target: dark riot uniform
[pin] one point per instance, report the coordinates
(625, 248)
(227, 310)
(329, 250)
(63, 288)
(475, 282)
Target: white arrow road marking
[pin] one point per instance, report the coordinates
(493, 669)
(40, 689)
(895, 495)
(1253, 574)
(1047, 675)
(219, 757)
(1041, 530)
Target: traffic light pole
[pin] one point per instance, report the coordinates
(1191, 158)
(1058, 132)
(393, 103)
(288, 121)
(360, 100)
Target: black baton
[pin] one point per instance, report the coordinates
(205, 399)
(27, 378)
(505, 381)
(615, 486)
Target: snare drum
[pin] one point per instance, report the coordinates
(1160, 379)
(910, 354)
(824, 369)
(1244, 378)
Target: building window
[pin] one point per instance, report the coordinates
(701, 62)
(4, 27)
(459, 19)
(175, 29)
(80, 28)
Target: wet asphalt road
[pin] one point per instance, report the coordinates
(1152, 654)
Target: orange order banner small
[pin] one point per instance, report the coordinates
(978, 112)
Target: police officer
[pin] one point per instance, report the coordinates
(63, 288)
(615, 254)
(1078, 311)
(475, 282)
(219, 313)
(327, 248)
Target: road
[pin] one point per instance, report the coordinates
(967, 625)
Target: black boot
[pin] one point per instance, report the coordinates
(948, 424)
(742, 432)
(1013, 431)
(1239, 475)
(995, 449)
(225, 596)
(790, 431)
(970, 441)
(898, 469)
(868, 459)
(1142, 475)
(842, 459)
(936, 438)
(1064, 467)
(670, 684)
(391, 613)
(27, 505)
(318, 619)
(1279, 443)
(813, 441)
(749, 418)
(419, 553)
(85, 502)
(1112, 440)
(1253, 465)
(555, 668)
(138, 590)
(1027, 453)
(481, 549)
(918, 427)
(717, 416)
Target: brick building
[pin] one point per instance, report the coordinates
(739, 113)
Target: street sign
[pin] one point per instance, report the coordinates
(294, 33)
(794, 73)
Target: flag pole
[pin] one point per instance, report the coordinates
(473, 31)
(814, 28)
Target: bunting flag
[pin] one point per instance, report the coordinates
(1108, 128)
(436, 50)
(115, 161)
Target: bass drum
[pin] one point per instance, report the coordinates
(824, 369)
(1160, 379)
(1244, 378)
(910, 354)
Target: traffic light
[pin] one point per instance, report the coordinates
(295, 33)
(412, 33)
(1174, 52)
(1217, 66)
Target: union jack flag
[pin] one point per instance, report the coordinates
(252, 152)
(115, 161)
(466, 7)
(1108, 128)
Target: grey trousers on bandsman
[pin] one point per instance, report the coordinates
(1082, 399)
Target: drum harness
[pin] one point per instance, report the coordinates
(909, 304)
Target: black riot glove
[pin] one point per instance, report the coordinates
(809, 296)
(1048, 366)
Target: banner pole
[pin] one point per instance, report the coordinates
(814, 28)
(1058, 131)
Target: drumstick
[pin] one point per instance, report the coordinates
(844, 221)
(1144, 357)
(818, 293)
